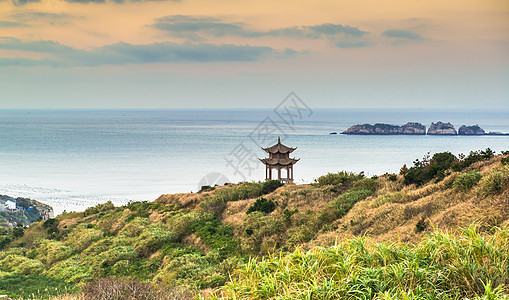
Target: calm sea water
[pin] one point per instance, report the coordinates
(76, 159)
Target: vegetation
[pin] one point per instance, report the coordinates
(385, 237)
(437, 167)
(442, 266)
(262, 205)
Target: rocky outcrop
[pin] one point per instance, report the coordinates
(441, 128)
(471, 130)
(386, 129)
(413, 128)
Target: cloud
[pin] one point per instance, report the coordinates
(189, 26)
(11, 43)
(402, 34)
(36, 17)
(12, 24)
(353, 43)
(27, 62)
(199, 28)
(23, 2)
(124, 53)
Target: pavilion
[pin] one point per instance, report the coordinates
(279, 158)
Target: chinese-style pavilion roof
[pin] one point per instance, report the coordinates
(279, 148)
(279, 161)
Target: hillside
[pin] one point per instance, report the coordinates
(24, 211)
(185, 244)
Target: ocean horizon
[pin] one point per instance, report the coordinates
(74, 159)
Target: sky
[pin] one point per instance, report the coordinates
(144, 54)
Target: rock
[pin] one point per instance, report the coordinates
(441, 128)
(471, 130)
(386, 129)
(414, 128)
(496, 133)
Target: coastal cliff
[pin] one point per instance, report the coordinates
(410, 128)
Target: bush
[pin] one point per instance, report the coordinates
(426, 170)
(270, 185)
(467, 180)
(339, 178)
(215, 235)
(262, 205)
(504, 161)
(393, 177)
(205, 188)
(473, 157)
(112, 288)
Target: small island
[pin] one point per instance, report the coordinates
(387, 129)
(414, 128)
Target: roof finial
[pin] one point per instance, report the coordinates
(279, 140)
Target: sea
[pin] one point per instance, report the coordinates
(74, 159)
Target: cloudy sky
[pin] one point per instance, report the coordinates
(242, 54)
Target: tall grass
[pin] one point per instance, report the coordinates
(495, 182)
(442, 266)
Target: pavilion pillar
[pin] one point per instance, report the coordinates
(270, 173)
(279, 173)
(292, 172)
(287, 174)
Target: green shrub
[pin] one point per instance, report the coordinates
(262, 205)
(339, 178)
(100, 208)
(473, 157)
(205, 188)
(366, 184)
(70, 270)
(50, 251)
(428, 169)
(15, 263)
(467, 180)
(83, 236)
(504, 161)
(215, 235)
(270, 185)
(152, 238)
(393, 177)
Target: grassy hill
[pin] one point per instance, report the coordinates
(396, 236)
